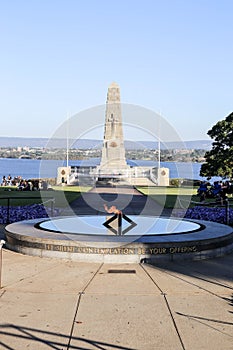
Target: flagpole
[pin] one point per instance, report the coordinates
(159, 145)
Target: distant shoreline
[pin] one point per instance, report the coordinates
(33, 168)
(90, 144)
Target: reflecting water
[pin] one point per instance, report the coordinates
(93, 225)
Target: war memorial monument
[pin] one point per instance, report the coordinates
(113, 163)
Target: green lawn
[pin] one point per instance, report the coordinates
(168, 197)
(62, 196)
(172, 197)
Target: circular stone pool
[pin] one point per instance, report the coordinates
(142, 238)
(93, 225)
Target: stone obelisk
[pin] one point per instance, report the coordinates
(113, 152)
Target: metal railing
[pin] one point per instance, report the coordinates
(226, 203)
(9, 199)
(2, 242)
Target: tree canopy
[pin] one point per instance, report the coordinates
(219, 160)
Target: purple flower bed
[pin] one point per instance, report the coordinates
(26, 212)
(216, 214)
(34, 211)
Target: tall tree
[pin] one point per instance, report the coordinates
(219, 160)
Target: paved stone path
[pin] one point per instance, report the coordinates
(127, 199)
(56, 304)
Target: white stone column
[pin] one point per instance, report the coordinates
(113, 151)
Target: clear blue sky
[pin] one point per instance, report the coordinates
(173, 56)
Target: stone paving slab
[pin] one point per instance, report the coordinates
(120, 282)
(66, 277)
(204, 321)
(214, 269)
(171, 284)
(35, 321)
(171, 281)
(135, 322)
(214, 273)
(17, 269)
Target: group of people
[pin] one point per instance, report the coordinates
(9, 181)
(24, 185)
(218, 190)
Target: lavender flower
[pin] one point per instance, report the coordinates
(216, 214)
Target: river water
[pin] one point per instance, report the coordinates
(31, 168)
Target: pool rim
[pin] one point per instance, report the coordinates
(201, 227)
(214, 241)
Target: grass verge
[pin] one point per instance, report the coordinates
(172, 197)
(62, 196)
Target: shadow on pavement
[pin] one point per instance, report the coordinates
(50, 340)
(216, 271)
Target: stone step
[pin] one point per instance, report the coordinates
(141, 181)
